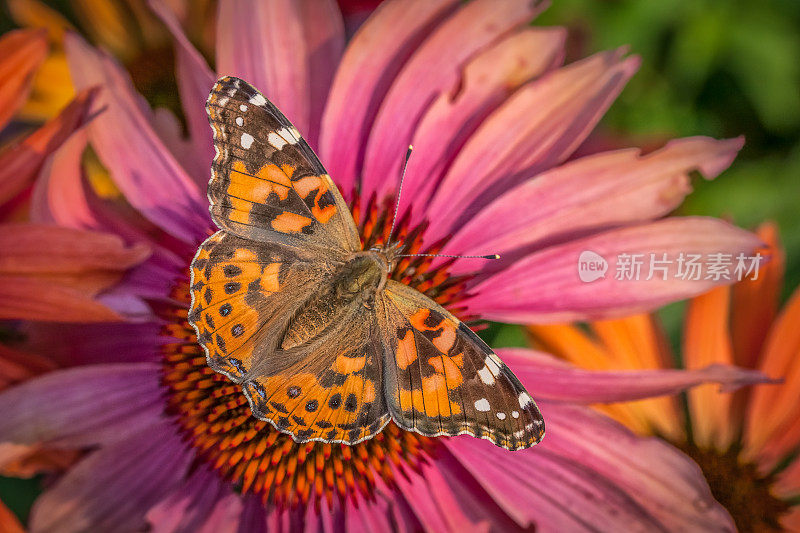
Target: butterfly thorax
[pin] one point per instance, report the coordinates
(354, 284)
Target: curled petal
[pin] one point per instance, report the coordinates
(544, 286)
(595, 192)
(553, 380)
(113, 488)
(21, 53)
(433, 69)
(369, 65)
(126, 141)
(488, 79)
(20, 163)
(559, 109)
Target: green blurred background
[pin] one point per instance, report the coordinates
(721, 68)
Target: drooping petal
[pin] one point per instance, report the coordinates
(53, 273)
(19, 164)
(551, 379)
(534, 130)
(81, 406)
(544, 286)
(21, 53)
(113, 488)
(370, 63)
(707, 340)
(286, 49)
(755, 301)
(592, 474)
(595, 192)
(126, 141)
(9, 523)
(203, 503)
(195, 80)
(773, 422)
(434, 68)
(17, 366)
(485, 81)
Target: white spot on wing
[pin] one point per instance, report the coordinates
(289, 135)
(524, 399)
(258, 100)
(515, 414)
(276, 140)
(247, 140)
(239, 121)
(501, 416)
(486, 376)
(493, 367)
(482, 405)
(243, 107)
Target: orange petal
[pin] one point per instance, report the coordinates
(21, 163)
(707, 341)
(773, 418)
(8, 521)
(21, 53)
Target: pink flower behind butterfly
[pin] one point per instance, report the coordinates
(494, 116)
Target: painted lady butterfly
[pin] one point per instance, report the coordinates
(287, 304)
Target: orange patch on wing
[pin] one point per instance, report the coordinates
(449, 368)
(406, 350)
(269, 278)
(349, 365)
(305, 185)
(447, 338)
(290, 222)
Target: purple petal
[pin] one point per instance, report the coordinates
(195, 80)
(286, 49)
(544, 286)
(124, 137)
(592, 474)
(435, 68)
(594, 192)
(484, 83)
(113, 488)
(551, 379)
(203, 503)
(534, 130)
(82, 406)
(370, 63)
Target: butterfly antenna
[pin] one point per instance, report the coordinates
(400, 191)
(490, 256)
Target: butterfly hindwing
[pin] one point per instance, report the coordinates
(442, 379)
(267, 184)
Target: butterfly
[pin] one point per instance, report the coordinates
(287, 304)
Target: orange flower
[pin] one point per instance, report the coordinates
(746, 442)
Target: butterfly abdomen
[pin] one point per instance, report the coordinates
(353, 286)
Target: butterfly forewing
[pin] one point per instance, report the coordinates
(442, 379)
(267, 184)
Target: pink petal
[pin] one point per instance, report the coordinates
(202, 503)
(62, 196)
(544, 286)
(20, 162)
(195, 80)
(286, 49)
(21, 54)
(551, 379)
(82, 406)
(125, 139)
(369, 65)
(591, 474)
(534, 130)
(594, 192)
(112, 489)
(435, 68)
(484, 83)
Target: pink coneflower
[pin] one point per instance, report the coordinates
(482, 94)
